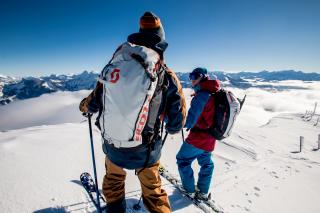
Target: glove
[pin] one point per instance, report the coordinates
(83, 106)
(89, 104)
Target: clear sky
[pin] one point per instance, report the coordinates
(70, 36)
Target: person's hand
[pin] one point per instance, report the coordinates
(83, 106)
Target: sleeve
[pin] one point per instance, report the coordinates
(93, 102)
(196, 107)
(175, 109)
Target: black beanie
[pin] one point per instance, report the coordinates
(150, 23)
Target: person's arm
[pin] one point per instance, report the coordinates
(175, 109)
(198, 103)
(92, 103)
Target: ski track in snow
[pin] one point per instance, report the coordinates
(257, 169)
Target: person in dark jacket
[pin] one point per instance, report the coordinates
(199, 144)
(167, 102)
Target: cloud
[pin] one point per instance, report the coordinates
(261, 105)
(54, 108)
(62, 107)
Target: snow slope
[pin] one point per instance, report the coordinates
(256, 169)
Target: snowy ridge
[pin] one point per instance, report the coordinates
(30, 87)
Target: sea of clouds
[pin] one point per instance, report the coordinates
(63, 107)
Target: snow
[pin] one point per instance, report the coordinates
(44, 147)
(46, 85)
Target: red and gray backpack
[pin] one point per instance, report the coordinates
(227, 108)
(130, 82)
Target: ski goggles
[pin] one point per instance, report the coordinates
(194, 76)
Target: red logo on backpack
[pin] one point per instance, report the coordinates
(115, 75)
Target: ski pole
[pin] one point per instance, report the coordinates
(242, 101)
(162, 124)
(165, 138)
(182, 133)
(94, 163)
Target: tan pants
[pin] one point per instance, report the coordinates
(155, 199)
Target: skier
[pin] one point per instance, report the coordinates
(167, 102)
(199, 144)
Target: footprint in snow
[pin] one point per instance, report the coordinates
(257, 189)
(256, 194)
(270, 151)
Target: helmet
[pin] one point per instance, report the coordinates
(198, 73)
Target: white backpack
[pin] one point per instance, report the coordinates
(129, 82)
(227, 108)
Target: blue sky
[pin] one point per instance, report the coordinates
(43, 37)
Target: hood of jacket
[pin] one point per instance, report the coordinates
(210, 86)
(150, 40)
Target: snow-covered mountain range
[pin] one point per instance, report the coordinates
(30, 87)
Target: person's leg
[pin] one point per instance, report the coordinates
(205, 173)
(113, 187)
(185, 156)
(155, 199)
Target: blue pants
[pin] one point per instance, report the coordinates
(186, 155)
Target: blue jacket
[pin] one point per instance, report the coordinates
(197, 105)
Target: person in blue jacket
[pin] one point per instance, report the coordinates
(199, 144)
